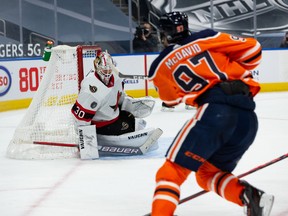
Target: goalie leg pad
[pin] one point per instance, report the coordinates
(144, 139)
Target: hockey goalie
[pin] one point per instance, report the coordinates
(103, 110)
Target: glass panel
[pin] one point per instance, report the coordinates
(73, 30)
(38, 25)
(112, 29)
(272, 22)
(235, 17)
(78, 7)
(9, 22)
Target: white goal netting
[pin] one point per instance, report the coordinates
(48, 118)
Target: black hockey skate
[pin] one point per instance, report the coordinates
(150, 214)
(257, 202)
(166, 108)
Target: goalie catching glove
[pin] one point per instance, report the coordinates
(139, 107)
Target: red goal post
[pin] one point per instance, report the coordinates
(48, 118)
(83, 53)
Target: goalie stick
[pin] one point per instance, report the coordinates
(127, 76)
(255, 169)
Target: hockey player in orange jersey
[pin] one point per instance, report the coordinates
(209, 70)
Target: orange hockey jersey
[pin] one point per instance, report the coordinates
(183, 72)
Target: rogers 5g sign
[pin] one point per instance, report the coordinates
(5, 80)
(19, 50)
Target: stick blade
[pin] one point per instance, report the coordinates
(151, 140)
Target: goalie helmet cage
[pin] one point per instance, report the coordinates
(49, 118)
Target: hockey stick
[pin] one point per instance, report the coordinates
(239, 176)
(127, 76)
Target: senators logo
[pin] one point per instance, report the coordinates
(93, 89)
(125, 126)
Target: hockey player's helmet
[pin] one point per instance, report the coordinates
(174, 26)
(103, 66)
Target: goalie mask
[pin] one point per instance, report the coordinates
(102, 65)
(174, 26)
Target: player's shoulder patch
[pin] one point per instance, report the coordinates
(93, 105)
(92, 88)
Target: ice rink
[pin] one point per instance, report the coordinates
(124, 186)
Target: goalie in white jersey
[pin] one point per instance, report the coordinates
(102, 102)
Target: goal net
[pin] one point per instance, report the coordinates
(48, 118)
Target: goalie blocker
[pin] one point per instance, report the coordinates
(88, 145)
(134, 143)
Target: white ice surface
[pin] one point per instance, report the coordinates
(124, 186)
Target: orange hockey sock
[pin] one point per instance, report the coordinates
(225, 184)
(167, 193)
